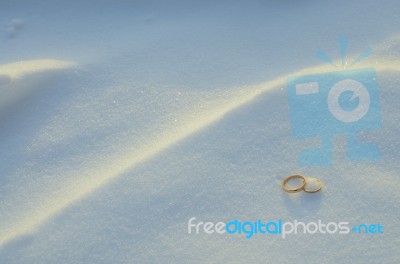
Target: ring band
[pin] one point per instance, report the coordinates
(297, 189)
(313, 180)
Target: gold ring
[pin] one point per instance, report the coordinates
(313, 180)
(297, 189)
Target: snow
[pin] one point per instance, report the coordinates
(122, 120)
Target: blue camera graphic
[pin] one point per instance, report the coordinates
(322, 105)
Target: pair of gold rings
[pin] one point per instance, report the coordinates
(304, 184)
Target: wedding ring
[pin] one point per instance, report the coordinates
(298, 188)
(317, 189)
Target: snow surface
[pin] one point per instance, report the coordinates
(121, 120)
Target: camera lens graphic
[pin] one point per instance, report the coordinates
(358, 90)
